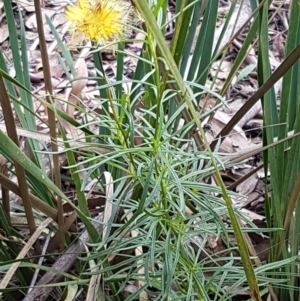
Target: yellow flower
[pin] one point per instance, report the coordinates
(99, 20)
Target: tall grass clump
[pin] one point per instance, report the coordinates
(144, 150)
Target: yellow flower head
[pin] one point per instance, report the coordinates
(99, 20)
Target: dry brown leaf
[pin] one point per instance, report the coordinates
(78, 86)
(140, 37)
(248, 186)
(59, 19)
(278, 46)
(252, 215)
(237, 139)
(28, 6)
(31, 22)
(57, 70)
(237, 20)
(4, 34)
(212, 241)
(237, 290)
(222, 71)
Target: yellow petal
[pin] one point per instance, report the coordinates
(100, 20)
(82, 4)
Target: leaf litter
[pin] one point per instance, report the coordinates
(244, 136)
